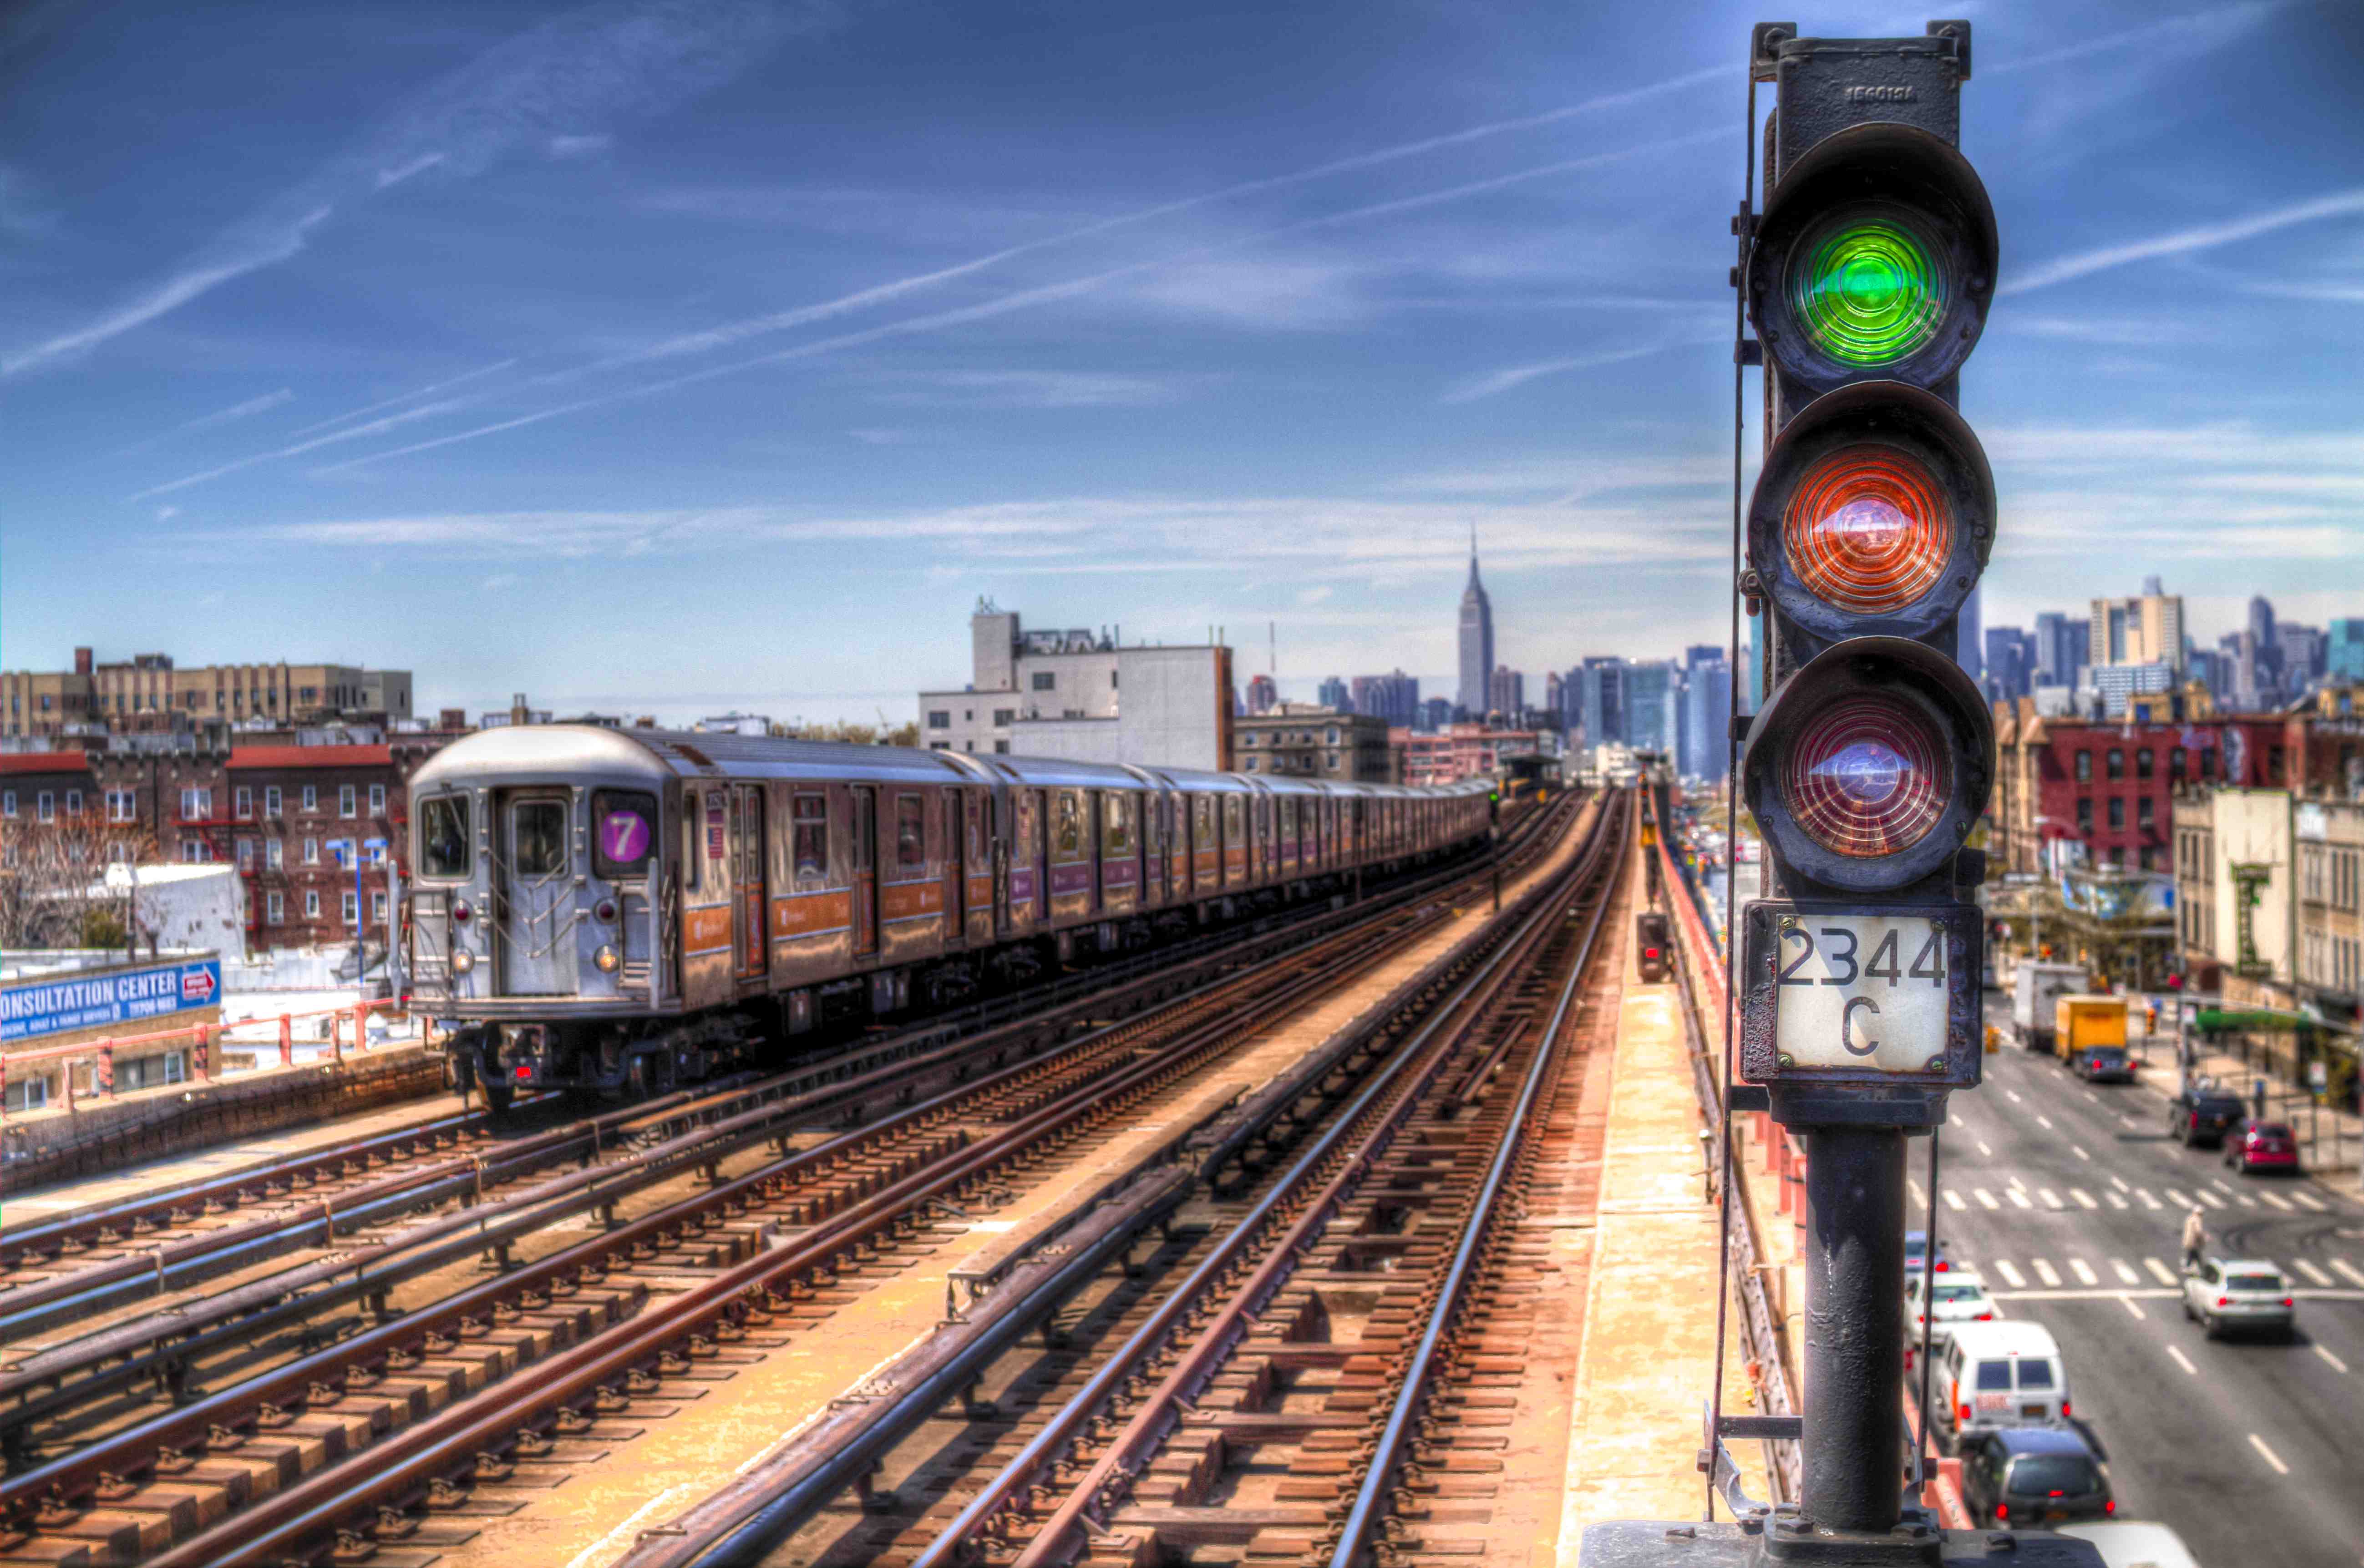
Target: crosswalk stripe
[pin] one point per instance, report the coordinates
(2115, 1201)
(1953, 1199)
(2348, 1270)
(2120, 1183)
(2177, 1199)
(2044, 1121)
(2143, 1193)
(2011, 1276)
(2124, 1271)
(2160, 1271)
(2084, 1200)
(2045, 1270)
(2211, 1199)
(2018, 1198)
(1986, 1198)
(2276, 1202)
(2307, 1200)
(2313, 1272)
(2051, 1199)
(2083, 1271)
(2241, 1198)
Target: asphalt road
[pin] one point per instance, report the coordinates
(2069, 1199)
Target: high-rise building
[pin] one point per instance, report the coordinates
(1476, 638)
(2145, 629)
(2304, 651)
(1706, 715)
(2010, 664)
(2063, 645)
(1332, 694)
(1555, 694)
(1435, 713)
(2343, 653)
(1506, 694)
(1263, 693)
(1651, 692)
(1601, 697)
(1394, 697)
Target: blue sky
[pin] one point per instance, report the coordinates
(671, 356)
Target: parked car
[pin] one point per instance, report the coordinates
(2034, 1478)
(2200, 1114)
(1999, 1374)
(2237, 1295)
(2262, 1146)
(1916, 1253)
(1956, 1296)
(2102, 1064)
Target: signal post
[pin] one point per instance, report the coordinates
(1865, 279)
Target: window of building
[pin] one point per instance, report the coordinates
(1249, 739)
(2117, 811)
(811, 843)
(2143, 816)
(1046, 681)
(1001, 748)
(193, 852)
(8, 803)
(940, 718)
(312, 904)
(45, 806)
(378, 908)
(348, 801)
(243, 803)
(2142, 763)
(2208, 761)
(274, 855)
(2116, 762)
(2176, 760)
(2084, 767)
(1250, 766)
(270, 800)
(2149, 856)
(196, 804)
(1111, 680)
(73, 803)
(349, 908)
(911, 831)
(312, 854)
(246, 854)
(311, 797)
(377, 800)
(1002, 715)
(2084, 816)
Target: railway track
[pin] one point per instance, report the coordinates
(561, 1338)
(1164, 1443)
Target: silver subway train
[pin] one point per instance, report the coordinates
(623, 910)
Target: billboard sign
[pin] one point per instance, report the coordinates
(95, 1001)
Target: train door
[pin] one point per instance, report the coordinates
(535, 929)
(751, 957)
(865, 842)
(984, 901)
(1003, 805)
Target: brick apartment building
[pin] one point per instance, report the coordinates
(147, 694)
(1306, 742)
(1459, 751)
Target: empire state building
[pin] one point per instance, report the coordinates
(1476, 638)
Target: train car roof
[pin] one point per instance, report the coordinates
(1197, 778)
(1051, 771)
(1284, 783)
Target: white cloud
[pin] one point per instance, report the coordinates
(2186, 241)
(579, 146)
(1038, 389)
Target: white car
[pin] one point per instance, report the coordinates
(2224, 1294)
(1958, 1296)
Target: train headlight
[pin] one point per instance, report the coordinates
(462, 961)
(607, 959)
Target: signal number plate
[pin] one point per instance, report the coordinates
(1867, 991)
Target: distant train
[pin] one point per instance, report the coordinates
(623, 910)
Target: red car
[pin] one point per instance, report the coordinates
(2262, 1146)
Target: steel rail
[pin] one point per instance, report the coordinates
(1414, 1394)
(1064, 1425)
(746, 1518)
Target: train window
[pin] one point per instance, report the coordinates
(1206, 822)
(690, 857)
(1069, 838)
(538, 837)
(1116, 823)
(811, 846)
(443, 847)
(977, 856)
(627, 821)
(911, 831)
(1231, 820)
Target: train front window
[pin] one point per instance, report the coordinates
(443, 847)
(537, 837)
(627, 840)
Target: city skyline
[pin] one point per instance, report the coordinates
(538, 328)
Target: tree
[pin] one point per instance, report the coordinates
(53, 885)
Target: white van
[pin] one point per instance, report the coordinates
(2007, 1374)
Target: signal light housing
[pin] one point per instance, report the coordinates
(1874, 515)
(1874, 259)
(1867, 769)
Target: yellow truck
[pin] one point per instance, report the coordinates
(2089, 1033)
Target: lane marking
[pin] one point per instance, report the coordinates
(2308, 1200)
(2160, 1271)
(2210, 1198)
(2246, 1202)
(1986, 1200)
(1956, 1120)
(2115, 1201)
(2045, 1270)
(2120, 1183)
(2124, 1271)
(2154, 1293)
(2143, 1195)
(2271, 1457)
(1920, 1199)
(2018, 1198)
(2311, 1271)
(1953, 1199)
(2126, 1119)
(2218, 1182)
(2175, 1353)
(2051, 1199)
(2348, 1270)
(2080, 1152)
(1985, 1149)
(2084, 1200)
(2277, 1203)
(2083, 1271)
(2044, 1121)
(2011, 1276)
(2013, 1093)
(2334, 1361)
(2128, 1303)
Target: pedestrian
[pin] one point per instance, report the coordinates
(2195, 1237)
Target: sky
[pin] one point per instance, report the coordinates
(672, 356)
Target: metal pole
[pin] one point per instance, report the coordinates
(1855, 1336)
